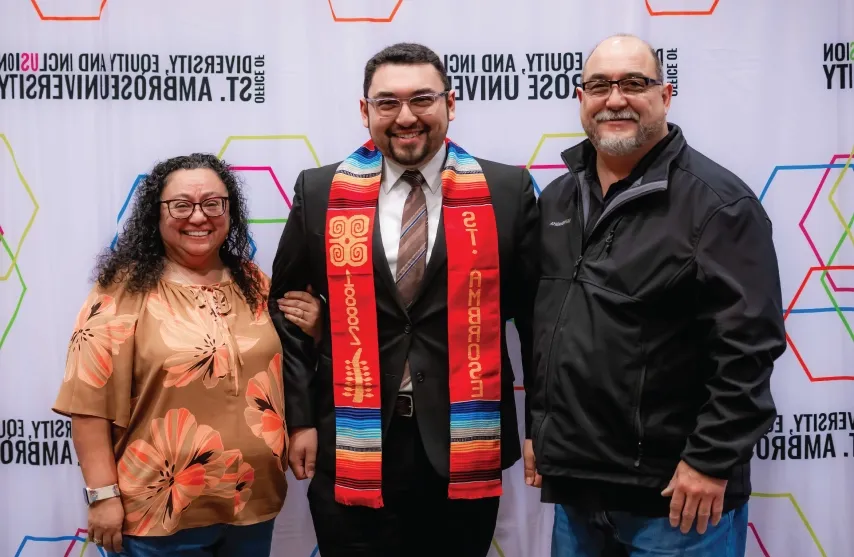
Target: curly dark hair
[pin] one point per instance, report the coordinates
(139, 256)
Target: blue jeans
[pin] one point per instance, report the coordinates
(619, 534)
(219, 540)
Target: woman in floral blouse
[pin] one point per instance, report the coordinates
(173, 379)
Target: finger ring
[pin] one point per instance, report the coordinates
(97, 542)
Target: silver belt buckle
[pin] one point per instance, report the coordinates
(411, 404)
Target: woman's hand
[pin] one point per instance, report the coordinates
(105, 524)
(94, 446)
(303, 310)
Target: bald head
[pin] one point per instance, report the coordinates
(625, 117)
(624, 47)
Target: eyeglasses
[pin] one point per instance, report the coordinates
(627, 85)
(183, 209)
(420, 105)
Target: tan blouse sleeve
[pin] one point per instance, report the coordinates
(99, 363)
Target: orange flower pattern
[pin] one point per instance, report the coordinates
(184, 461)
(236, 481)
(174, 370)
(266, 412)
(98, 333)
(199, 343)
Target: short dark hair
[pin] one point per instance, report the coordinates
(659, 70)
(404, 53)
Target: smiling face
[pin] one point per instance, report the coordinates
(405, 137)
(618, 122)
(194, 241)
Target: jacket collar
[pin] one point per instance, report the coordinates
(657, 162)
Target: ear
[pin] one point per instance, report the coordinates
(666, 95)
(579, 92)
(363, 108)
(452, 104)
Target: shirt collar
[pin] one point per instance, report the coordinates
(431, 170)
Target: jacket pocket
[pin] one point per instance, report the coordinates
(549, 308)
(538, 436)
(638, 418)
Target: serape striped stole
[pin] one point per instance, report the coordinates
(474, 328)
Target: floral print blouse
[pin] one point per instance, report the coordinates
(191, 379)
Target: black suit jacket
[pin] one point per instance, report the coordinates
(422, 333)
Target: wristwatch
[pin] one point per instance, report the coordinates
(101, 493)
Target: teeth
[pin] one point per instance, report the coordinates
(408, 135)
(197, 233)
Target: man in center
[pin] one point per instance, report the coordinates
(403, 415)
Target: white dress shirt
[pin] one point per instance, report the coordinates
(392, 197)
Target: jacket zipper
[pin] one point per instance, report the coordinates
(577, 266)
(609, 241)
(547, 401)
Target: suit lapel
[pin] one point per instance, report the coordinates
(438, 256)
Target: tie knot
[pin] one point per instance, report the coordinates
(414, 178)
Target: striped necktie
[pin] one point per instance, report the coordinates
(412, 249)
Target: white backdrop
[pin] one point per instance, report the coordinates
(763, 86)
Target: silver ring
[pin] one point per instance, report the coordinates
(97, 542)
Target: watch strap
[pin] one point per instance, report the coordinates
(102, 493)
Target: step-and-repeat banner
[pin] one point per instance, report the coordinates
(93, 92)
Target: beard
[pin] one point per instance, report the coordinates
(412, 155)
(621, 146)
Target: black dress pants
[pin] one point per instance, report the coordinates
(417, 518)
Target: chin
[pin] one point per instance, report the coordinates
(413, 157)
(197, 250)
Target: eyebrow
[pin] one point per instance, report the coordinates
(382, 94)
(205, 195)
(625, 75)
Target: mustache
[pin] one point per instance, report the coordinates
(625, 114)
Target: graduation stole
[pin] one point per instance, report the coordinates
(474, 328)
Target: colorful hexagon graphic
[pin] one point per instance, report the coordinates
(826, 292)
(545, 163)
(779, 527)
(364, 11)
(790, 197)
(69, 10)
(846, 173)
(11, 297)
(18, 211)
(59, 545)
(826, 242)
(681, 7)
(803, 318)
(268, 166)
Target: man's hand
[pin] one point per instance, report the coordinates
(106, 518)
(303, 310)
(531, 475)
(303, 452)
(694, 494)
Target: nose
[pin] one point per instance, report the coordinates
(615, 99)
(405, 117)
(197, 216)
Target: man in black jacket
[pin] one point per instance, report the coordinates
(657, 323)
(423, 253)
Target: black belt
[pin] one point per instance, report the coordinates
(404, 406)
